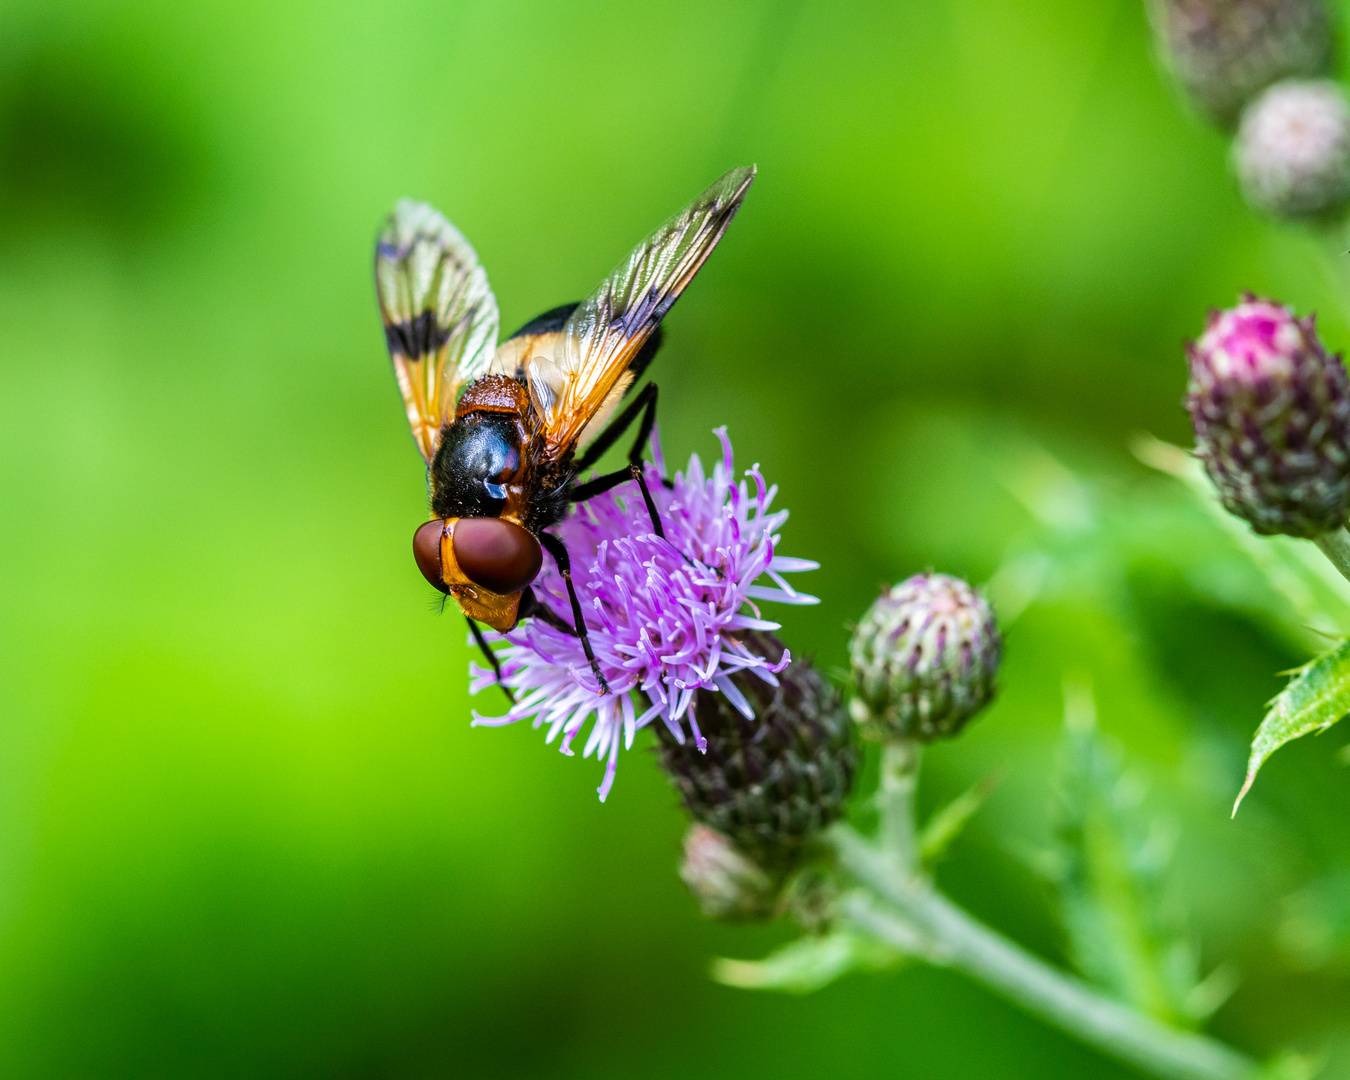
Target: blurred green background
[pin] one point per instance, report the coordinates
(245, 828)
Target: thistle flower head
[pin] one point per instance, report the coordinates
(1271, 412)
(1292, 151)
(925, 659)
(1224, 52)
(667, 618)
(771, 777)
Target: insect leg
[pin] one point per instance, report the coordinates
(601, 484)
(555, 547)
(645, 403)
(646, 398)
(491, 658)
(531, 605)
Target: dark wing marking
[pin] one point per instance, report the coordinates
(591, 361)
(440, 317)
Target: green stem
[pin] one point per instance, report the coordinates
(907, 912)
(1331, 244)
(1336, 547)
(895, 802)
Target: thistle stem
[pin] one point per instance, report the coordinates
(1335, 546)
(895, 802)
(1331, 245)
(907, 912)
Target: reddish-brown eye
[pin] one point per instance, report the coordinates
(427, 552)
(498, 555)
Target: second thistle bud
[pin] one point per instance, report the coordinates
(925, 659)
(1271, 412)
(1292, 151)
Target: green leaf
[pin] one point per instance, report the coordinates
(1109, 865)
(1317, 696)
(949, 822)
(807, 964)
(1090, 538)
(1314, 928)
(1317, 596)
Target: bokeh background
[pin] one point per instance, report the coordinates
(245, 827)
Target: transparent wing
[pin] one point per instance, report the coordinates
(440, 317)
(588, 370)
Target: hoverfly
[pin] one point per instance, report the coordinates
(500, 426)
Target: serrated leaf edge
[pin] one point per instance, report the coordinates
(1266, 740)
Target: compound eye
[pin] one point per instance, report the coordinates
(427, 552)
(498, 555)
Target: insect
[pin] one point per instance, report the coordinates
(500, 426)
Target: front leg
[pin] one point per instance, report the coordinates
(491, 658)
(645, 403)
(558, 550)
(531, 605)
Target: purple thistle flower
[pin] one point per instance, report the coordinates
(666, 617)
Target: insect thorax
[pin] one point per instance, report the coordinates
(479, 460)
(490, 464)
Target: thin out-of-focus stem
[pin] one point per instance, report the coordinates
(895, 801)
(1332, 244)
(907, 912)
(1335, 546)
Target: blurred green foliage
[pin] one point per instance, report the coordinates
(245, 829)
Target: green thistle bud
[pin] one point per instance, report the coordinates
(1225, 52)
(925, 659)
(1271, 412)
(1292, 152)
(726, 883)
(771, 783)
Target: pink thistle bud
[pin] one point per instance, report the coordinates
(1271, 412)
